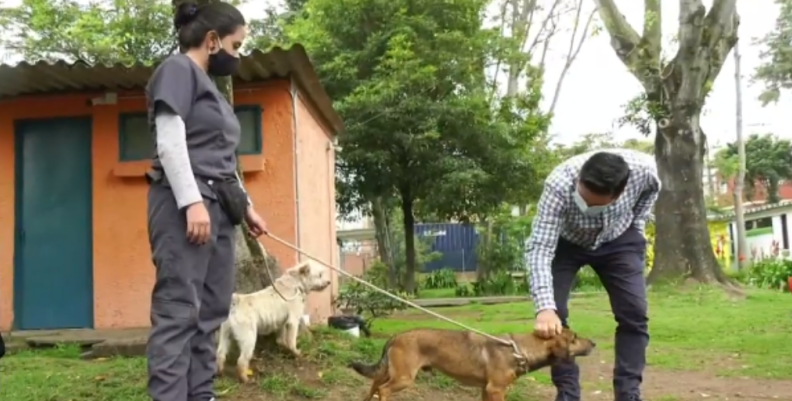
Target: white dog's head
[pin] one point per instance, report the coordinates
(311, 275)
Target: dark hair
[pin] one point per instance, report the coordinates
(193, 22)
(605, 174)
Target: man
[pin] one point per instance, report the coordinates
(593, 211)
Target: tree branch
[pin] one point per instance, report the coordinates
(572, 52)
(653, 33)
(714, 32)
(721, 49)
(629, 46)
(720, 20)
(691, 28)
(544, 33)
(502, 31)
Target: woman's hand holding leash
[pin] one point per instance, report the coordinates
(256, 224)
(199, 226)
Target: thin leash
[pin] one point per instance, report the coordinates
(512, 344)
(269, 274)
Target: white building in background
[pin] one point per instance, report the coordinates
(356, 221)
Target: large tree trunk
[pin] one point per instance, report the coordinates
(483, 269)
(408, 220)
(682, 241)
(382, 233)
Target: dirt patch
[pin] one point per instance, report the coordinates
(666, 385)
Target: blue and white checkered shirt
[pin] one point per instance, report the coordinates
(559, 216)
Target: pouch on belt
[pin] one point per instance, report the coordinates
(232, 198)
(228, 193)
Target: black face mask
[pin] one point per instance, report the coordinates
(222, 64)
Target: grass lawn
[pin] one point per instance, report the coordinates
(694, 330)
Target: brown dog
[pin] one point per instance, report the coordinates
(471, 359)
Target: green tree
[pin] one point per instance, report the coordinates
(768, 161)
(674, 91)
(725, 161)
(422, 130)
(110, 31)
(775, 72)
(269, 31)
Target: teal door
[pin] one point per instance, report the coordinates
(53, 264)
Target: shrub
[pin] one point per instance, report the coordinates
(463, 290)
(500, 283)
(773, 273)
(587, 280)
(501, 244)
(443, 278)
(367, 302)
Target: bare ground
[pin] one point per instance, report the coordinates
(659, 385)
(666, 385)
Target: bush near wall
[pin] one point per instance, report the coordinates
(771, 273)
(719, 235)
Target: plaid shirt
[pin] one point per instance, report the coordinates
(559, 216)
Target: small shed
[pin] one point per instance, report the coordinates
(74, 147)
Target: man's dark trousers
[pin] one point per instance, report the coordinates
(620, 266)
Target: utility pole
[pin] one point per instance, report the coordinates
(739, 181)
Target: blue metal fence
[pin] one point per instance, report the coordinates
(455, 241)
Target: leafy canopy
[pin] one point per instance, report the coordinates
(408, 77)
(109, 31)
(768, 160)
(776, 68)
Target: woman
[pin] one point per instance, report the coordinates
(194, 201)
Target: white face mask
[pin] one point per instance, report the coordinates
(590, 211)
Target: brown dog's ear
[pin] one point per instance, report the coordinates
(305, 269)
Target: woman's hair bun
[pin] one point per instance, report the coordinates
(185, 13)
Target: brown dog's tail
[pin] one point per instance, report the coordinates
(371, 371)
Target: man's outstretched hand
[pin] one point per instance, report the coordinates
(547, 324)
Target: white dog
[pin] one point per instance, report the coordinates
(271, 310)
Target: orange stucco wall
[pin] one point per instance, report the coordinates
(316, 200)
(123, 273)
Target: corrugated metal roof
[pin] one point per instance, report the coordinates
(59, 77)
(758, 209)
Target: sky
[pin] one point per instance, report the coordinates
(598, 85)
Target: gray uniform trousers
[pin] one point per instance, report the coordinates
(190, 300)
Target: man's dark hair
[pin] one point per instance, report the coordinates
(193, 22)
(605, 174)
